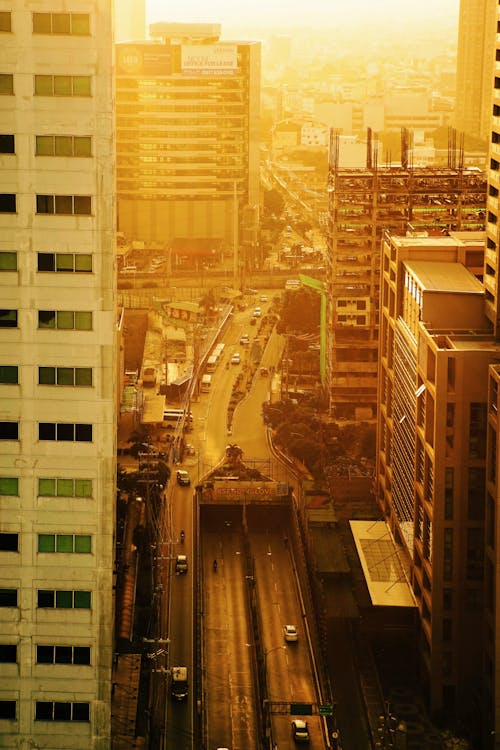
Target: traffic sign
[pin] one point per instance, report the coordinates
(301, 709)
(325, 710)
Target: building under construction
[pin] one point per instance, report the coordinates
(363, 203)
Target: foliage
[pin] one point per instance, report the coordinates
(300, 312)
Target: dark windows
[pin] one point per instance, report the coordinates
(7, 203)
(65, 431)
(9, 430)
(8, 318)
(63, 654)
(7, 143)
(78, 376)
(48, 599)
(7, 709)
(61, 85)
(8, 597)
(63, 145)
(5, 21)
(9, 486)
(8, 653)
(9, 374)
(6, 83)
(76, 24)
(65, 205)
(64, 319)
(56, 711)
(9, 542)
(65, 262)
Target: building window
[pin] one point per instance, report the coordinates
(8, 318)
(77, 376)
(61, 86)
(63, 654)
(75, 543)
(8, 261)
(475, 554)
(476, 491)
(9, 430)
(76, 24)
(80, 320)
(48, 599)
(55, 711)
(8, 653)
(7, 143)
(447, 554)
(65, 431)
(7, 203)
(447, 629)
(63, 145)
(449, 485)
(8, 597)
(9, 374)
(5, 21)
(7, 709)
(9, 542)
(65, 205)
(477, 430)
(9, 486)
(52, 487)
(65, 262)
(6, 83)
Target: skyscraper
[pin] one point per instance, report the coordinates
(475, 66)
(57, 374)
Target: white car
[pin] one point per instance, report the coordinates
(290, 633)
(300, 730)
(257, 312)
(245, 339)
(236, 358)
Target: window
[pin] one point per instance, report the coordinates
(9, 430)
(6, 143)
(62, 599)
(63, 145)
(477, 430)
(8, 374)
(8, 261)
(65, 487)
(6, 83)
(7, 709)
(8, 653)
(66, 205)
(8, 597)
(77, 24)
(9, 542)
(78, 543)
(7, 203)
(65, 262)
(61, 86)
(55, 711)
(8, 318)
(5, 20)
(81, 376)
(9, 486)
(65, 431)
(64, 319)
(63, 654)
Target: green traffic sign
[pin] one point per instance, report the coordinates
(326, 710)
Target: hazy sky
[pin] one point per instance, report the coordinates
(300, 12)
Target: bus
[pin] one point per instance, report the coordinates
(211, 363)
(206, 382)
(219, 351)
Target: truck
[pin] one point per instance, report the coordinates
(179, 687)
(206, 382)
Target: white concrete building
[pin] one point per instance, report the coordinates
(57, 373)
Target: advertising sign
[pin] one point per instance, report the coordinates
(141, 59)
(209, 59)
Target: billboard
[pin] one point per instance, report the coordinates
(209, 59)
(141, 59)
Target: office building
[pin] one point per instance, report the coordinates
(363, 202)
(436, 347)
(475, 66)
(57, 374)
(188, 138)
(130, 20)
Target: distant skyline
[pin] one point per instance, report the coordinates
(288, 13)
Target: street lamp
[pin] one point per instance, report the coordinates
(270, 651)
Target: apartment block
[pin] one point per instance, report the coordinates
(57, 373)
(436, 348)
(187, 118)
(363, 203)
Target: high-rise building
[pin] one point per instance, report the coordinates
(130, 20)
(436, 347)
(363, 202)
(187, 118)
(57, 373)
(475, 66)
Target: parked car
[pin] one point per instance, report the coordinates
(183, 478)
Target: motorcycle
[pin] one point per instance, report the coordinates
(182, 536)
(214, 566)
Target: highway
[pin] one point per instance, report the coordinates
(247, 676)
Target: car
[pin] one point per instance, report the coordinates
(257, 312)
(300, 730)
(263, 298)
(249, 290)
(290, 633)
(236, 358)
(244, 340)
(183, 478)
(181, 564)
